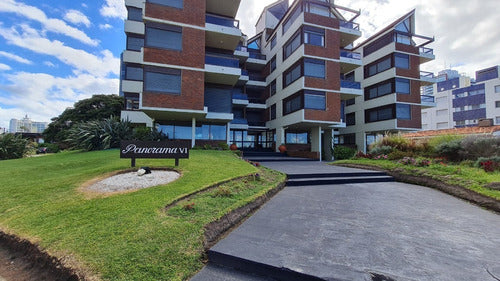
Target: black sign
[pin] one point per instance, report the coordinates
(154, 149)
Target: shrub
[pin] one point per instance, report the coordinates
(437, 140)
(450, 150)
(381, 157)
(51, 147)
(381, 150)
(343, 152)
(423, 162)
(13, 146)
(361, 154)
(222, 192)
(188, 206)
(489, 164)
(99, 135)
(223, 146)
(474, 147)
(148, 134)
(396, 141)
(408, 161)
(396, 155)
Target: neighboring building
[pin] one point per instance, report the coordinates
(26, 125)
(3, 130)
(391, 80)
(463, 103)
(190, 71)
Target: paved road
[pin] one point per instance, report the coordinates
(347, 231)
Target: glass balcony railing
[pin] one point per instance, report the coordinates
(244, 72)
(350, 84)
(240, 97)
(258, 56)
(426, 51)
(239, 121)
(350, 55)
(241, 48)
(427, 99)
(218, 20)
(222, 61)
(256, 77)
(349, 25)
(426, 75)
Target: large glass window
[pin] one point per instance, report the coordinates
(314, 68)
(134, 14)
(272, 88)
(134, 43)
(350, 119)
(379, 114)
(171, 3)
(292, 74)
(272, 112)
(169, 37)
(211, 132)
(296, 138)
(295, 14)
(168, 81)
(292, 104)
(378, 67)
(402, 86)
(403, 111)
(273, 42)
(314, 36)
(378, 90)
(402, 61)
(273, 63)
(315, 100)
(133, 73)
(292, 45)
(318, 10)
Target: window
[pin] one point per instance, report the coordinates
(442, 100)
(378, 67)
(402, 86)
(350, 119)
(378, 90)
(314, 36)
(318, 9)
(402, 61)
(461, 95)
(403, 111)
(134, 43)
(314, 68)
(442, 112)
(292, 104)
(134, 14)
(292, 74)
(497, 89)
(315, 100)
(293, 16)
(460, 123)
(210, 132)
(167, 81)
(273, 42)
(168, 37)
(272, 112)
(379, 113)
(273, 63)
(442, 125)
(292, 45)
(171, 3)
(272, 88)
(476, 92)
(459, 109)
(497, 104)
(133, 73)
(497, 120)
(404, 26)
(296, 138)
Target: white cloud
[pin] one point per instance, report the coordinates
(29, 38)
(49, 64)
(50, 24)
(15, 57)
(84, 5)
(4, 67)
(77, 17)
(114, 9)
(105, 26)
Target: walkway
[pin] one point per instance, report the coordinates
(324, 227)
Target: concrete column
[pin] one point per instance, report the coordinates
(193, 132)
(328, 144)
(316, 140)
(228, 134)
(280, 137)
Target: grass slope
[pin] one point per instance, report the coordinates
(471, 178)
(122, 237)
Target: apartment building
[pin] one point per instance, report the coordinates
(391, 80)
(190, 71)
(463, 102)
(26, 125)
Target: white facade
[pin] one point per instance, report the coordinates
(27, 125)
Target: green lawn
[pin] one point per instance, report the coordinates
(465, 176)
(127, 236)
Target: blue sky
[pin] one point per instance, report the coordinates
(54, 53)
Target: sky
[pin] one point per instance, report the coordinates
(54, 53)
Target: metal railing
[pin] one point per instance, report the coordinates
(244, 72)
(241, 48)
(350, 84)
(222, 61)
(259, 56)
(349, 25)
(256, 77)
(218, 20)
(426, 74)
(240, 97)
(239, 121)
(350, 55)
(428, 51)
(427, 98)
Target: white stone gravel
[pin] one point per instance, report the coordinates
(131, 181)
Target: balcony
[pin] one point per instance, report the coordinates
(427, 78)
(427, 101)
(241, 52)
(227, 8)
(256, 79)
(349, 61)
(240, 99)
(222, 32)
(350, 89)
(135, 27)
(220, 69)
(132, 57)
(349, 32)
(426, 54)
(244, 78)
(256, 60)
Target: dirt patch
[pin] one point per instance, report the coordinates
(21, 260)
(455, 190)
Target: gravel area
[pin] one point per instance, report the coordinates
(132, 181)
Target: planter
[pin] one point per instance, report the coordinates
(233, 147)
(282, 148)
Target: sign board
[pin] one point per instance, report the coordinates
(154, 149)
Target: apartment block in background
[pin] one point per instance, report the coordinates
(26, 125)
(391, 80)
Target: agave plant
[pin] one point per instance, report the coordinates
(13, 146)
(99, 135)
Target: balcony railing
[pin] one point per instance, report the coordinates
(240, 97)
(426, 74)
(350, 55)
(239, 121)
(349, 25)
(244, 72)
(222, 61)
(256, 123)
(256, 77)
(350, 84)
(426, 51)
(258, 56)
(427, 98)
(241, 48)
(218, 20)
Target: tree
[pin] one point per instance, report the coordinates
(13, 146)
(98, 107)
